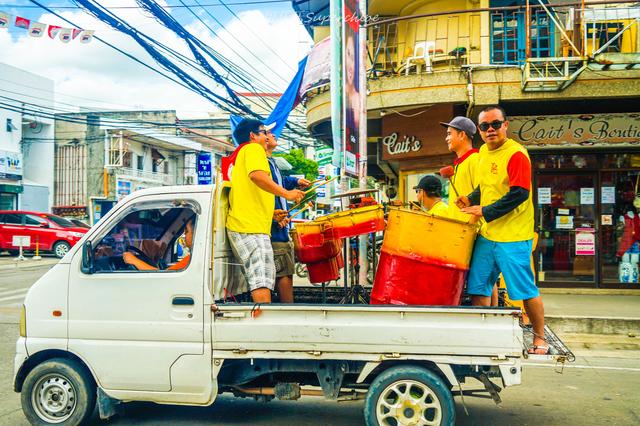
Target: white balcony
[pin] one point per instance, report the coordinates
(147, 176)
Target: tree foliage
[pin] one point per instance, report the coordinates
(300, 164)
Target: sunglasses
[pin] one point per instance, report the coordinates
(494, 124)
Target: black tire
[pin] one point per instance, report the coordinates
(421, 385)
(58, 391)
(61, 248)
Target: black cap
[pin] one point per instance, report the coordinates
(429, 184)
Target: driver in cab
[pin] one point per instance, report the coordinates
(141, 265)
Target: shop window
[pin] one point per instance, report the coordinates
(566, 161)
(620, 227)
(620, 161)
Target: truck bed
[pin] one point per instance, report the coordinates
(366, 329)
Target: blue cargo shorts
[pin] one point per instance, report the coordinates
(513, 260)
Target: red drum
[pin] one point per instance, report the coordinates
(424, 260)
(323, 271)
(312, 234)
(312, 253)
(358, 221)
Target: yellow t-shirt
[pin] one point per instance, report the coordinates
(439, 209)
(465, 180)
(494, 181)
(250, 208)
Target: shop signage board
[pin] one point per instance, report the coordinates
(10, 165)
(21, 241)
(585, 242)
(123, 188)
(578, 129)
(203, 167)
(564, 222)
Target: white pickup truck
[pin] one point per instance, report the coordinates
(94, 329)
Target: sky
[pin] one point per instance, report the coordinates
(269, 37)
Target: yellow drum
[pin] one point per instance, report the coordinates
(424, 259)
(358, 221)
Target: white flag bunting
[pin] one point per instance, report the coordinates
(38, 29)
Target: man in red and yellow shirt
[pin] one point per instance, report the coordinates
(503, 199)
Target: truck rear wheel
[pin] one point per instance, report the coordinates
(58, 391)
(407, 395)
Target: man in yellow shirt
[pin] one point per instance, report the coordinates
(503, 200)
(429, 193)
(460, 132)
(251, 208)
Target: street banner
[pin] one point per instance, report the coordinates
(351, 94)
(5, 18)
(317, 71)
(37, 29)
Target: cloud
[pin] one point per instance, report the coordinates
(97, 72)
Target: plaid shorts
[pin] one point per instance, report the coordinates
(256, 256)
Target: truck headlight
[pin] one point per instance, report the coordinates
(23, 322)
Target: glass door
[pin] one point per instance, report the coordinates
(566, 210)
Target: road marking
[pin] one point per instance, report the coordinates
(20, 290)
(586, 367)
(19, 296)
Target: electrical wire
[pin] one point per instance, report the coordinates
(170, 6)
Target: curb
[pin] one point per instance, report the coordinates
(594, 325)
(28, 264)
(591, 291)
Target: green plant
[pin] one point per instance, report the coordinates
(300, 165)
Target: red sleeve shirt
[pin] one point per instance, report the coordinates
(519, 171)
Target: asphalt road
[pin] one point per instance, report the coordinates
(591, 391)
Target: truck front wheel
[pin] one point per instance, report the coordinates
(406, 395)
(58, 391)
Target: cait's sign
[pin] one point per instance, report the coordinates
(585, 129)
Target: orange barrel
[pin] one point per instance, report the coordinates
(312, 234)
(312, 253)
(325, 270)
(358, 221)
(424, 259)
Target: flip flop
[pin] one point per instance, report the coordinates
(539, 350)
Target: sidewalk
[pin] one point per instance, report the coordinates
(11, 262)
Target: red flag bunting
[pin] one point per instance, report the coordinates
(22, 22)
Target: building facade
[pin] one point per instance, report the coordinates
(569, 79)
(102, 157)
(26, 140)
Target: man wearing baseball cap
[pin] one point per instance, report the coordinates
(460, 132)
(251, 208)
(429, 193)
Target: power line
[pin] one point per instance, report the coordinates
(20, 6)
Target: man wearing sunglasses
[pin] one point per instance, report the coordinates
(251, 208)
(503, 200)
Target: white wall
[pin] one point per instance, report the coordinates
(33, 96)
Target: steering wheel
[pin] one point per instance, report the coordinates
(140, 254)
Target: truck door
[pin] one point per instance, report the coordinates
(142, 330)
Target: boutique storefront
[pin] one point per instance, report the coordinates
(586, 177)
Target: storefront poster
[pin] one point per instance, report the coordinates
(123, 188)
(587, 196)
(10, 165)
(544, 195)
(608, 195)
(564, 222)
(585, 242)
(606, 219)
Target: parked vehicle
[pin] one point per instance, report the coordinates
(50, 232)
(96, 329)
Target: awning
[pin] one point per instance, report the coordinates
(13, 189)
(155, 154)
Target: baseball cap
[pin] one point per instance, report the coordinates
(429, 183)
(462, 123)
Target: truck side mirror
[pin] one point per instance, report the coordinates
(87, 266)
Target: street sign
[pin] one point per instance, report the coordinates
(21, 241)
(205, 176)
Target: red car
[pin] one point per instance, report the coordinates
(53, 233)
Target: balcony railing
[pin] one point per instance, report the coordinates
(147, 176)
(501, 36)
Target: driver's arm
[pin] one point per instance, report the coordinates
(131, 259)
